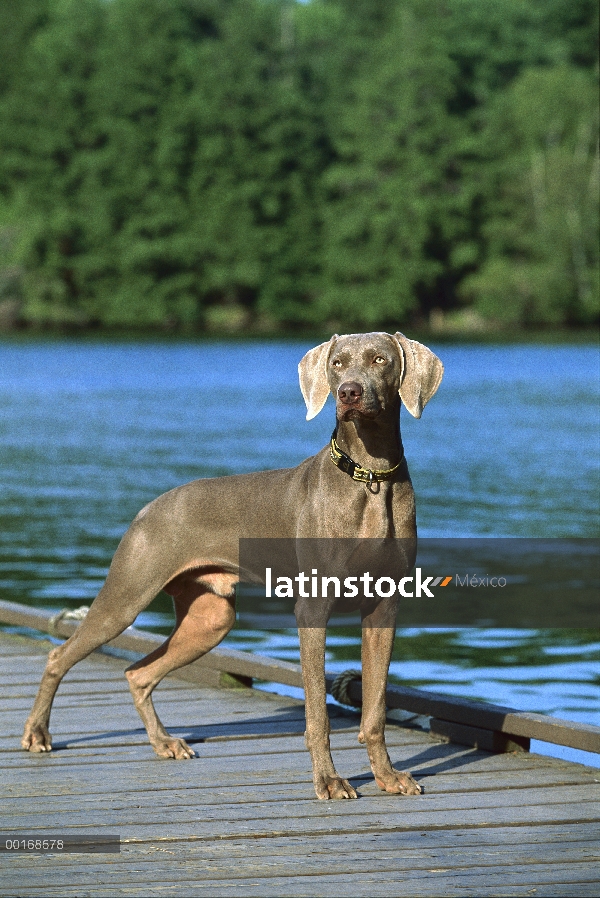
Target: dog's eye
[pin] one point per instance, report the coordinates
(379, 360)
(336, 363)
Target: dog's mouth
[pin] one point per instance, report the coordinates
(354, 412)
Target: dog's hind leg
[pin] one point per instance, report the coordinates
(97, 628)
(203, 619)
(136, 575)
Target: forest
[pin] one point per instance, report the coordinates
(274, 166)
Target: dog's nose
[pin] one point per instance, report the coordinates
(350, 391)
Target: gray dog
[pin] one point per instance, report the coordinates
(186, 542)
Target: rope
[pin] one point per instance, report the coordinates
(77, 614)
(340, 688)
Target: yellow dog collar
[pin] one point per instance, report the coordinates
(354, 470)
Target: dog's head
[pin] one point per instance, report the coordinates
(366, 372)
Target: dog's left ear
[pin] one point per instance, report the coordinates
(421, 375)
(312, 372)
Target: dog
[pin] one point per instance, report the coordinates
(186, 542)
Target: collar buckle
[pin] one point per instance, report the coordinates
(347, 465)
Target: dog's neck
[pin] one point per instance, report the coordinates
(373, 443)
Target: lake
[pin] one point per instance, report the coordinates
(92, 431)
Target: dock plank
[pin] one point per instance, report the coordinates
(330, 864)
(241, 818)
(265, 788)
(551, 879)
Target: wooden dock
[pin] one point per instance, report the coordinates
(242, 820)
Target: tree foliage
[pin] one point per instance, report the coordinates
(265, 163)
(540, 261)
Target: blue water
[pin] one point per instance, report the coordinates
(90, 432)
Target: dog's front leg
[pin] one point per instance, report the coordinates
(312, 655)
(377, 644)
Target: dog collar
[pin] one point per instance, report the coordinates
(354, 470)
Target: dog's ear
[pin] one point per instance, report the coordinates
(312, 372)
(422, 374)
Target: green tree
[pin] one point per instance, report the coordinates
(169, 156)
(138, 264)
(185, 163)
(45, 125)
(392, 138)
(540, 214)
(491, 41)
(19, 21)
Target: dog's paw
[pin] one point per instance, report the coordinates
(333, 787)
(36, 738)
(398, 783)
(176, 749)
